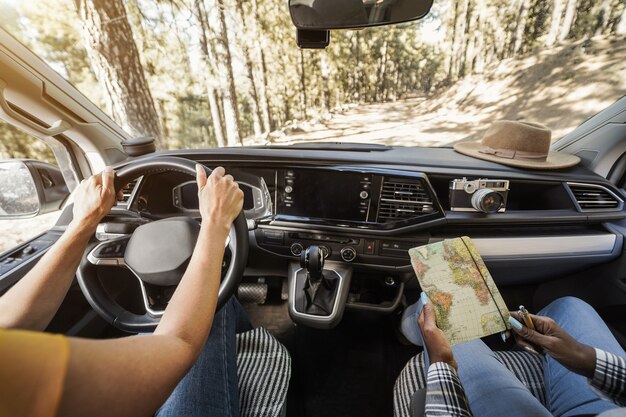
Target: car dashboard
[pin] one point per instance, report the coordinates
(367, 214)
(363, 209)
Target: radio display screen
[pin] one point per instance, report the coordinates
(329, 195)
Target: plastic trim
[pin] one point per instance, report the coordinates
(529, 247)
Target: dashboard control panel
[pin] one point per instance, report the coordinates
(351, 197)
(348, 249)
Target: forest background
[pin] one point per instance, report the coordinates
(206, 73)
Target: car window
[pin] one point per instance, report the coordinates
(17, 145)
(224, 72)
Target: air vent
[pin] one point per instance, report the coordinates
(402, 199)
(595, 197)
(128, 192)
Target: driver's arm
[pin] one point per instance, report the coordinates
(33, 301)
(133, 376)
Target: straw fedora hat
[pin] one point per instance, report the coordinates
(519, 144)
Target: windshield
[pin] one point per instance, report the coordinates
(205, 73)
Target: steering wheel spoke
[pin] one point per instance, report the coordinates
(110, 252)
(155, 298)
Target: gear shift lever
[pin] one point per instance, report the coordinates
(320, 291)
(312, 260)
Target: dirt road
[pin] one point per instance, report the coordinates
(560, 88)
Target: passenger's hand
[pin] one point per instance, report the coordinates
(439, 349)
(94, 198)
(556, 342)
(220, 198)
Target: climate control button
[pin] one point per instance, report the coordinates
(348, 254)
(296, 249)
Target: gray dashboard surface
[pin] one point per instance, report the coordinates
(428, 160)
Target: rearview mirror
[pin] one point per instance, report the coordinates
(29, 188)
(351, 14)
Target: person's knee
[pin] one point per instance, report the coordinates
(567, 306)
(570, 302)
(470, 349)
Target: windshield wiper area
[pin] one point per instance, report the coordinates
(334, 146)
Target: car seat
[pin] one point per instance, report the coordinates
(264, 370)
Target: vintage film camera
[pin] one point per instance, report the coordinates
(482, 195)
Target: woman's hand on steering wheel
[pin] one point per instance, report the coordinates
(220, 198)
(93, 199)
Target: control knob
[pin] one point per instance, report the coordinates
(348, 254)
(296, 249)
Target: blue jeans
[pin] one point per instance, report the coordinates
(493, 390)
(210, 388)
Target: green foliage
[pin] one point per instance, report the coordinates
(15, 144)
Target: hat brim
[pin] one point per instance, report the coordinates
(555, 160)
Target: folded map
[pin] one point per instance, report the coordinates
(467, 302)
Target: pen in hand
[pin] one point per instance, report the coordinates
(526, 317)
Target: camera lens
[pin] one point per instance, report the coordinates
(487, 201)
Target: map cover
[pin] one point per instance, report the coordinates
(467, 302)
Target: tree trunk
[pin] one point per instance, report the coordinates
(229, 99)
(356, 79)
(555, 22)
(459, 39)
(468, 35)
(325, 72)
(216, 116)
(268, 122)
(602, 20)
(478, 65)
(302, 86)
(568, 20)
(474, 32)
(621, 26)
(115, 59)
(520, 26)
(286, 104)
(164, 127)
(450, 54)
(210, 63)
(382, 73)
(256, 108)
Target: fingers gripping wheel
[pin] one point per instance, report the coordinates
(156, 253)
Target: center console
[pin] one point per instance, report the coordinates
(318, 291)
(344, 218)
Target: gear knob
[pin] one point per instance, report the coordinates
(312, 260)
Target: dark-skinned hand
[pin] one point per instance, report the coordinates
(556, 342)
(438, 347)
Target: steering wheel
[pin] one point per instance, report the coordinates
(157, 253)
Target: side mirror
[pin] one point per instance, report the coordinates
(29, 188)
(353, 14)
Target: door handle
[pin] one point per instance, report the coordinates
(57, 127)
